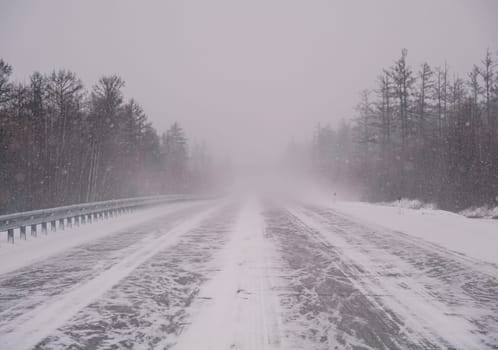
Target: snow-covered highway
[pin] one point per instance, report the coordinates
(244, 273)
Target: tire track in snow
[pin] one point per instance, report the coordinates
(238, 308)
(31, 286)
(324, 306)
(449, 297)
(150, 305)
(35, 323)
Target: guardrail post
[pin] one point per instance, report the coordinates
(88, 213)
(10, 235)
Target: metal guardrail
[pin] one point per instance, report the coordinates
(75, 214)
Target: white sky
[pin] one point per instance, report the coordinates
(245, 76)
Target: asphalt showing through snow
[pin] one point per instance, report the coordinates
(454, 290)
(281, 275)
(35, 284)
(323, 308)
(149, 304)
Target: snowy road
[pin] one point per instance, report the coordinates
(250, 274)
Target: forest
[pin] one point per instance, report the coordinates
(62, 144)
(422, 133)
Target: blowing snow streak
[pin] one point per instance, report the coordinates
(249, 273)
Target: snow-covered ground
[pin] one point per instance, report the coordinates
(477, 238)
(256, 273)
(481, 212)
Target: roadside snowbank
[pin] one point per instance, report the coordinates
(484, 212)
(481, 212)
(410, 204)
(476, 238)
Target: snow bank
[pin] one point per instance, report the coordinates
(410, 204)
(484, 212)
(481, 212)
(476, 238)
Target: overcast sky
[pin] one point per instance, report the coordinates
(245, 76)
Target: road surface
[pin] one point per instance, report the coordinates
(250, 273)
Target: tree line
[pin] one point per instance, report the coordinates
(62, 144)
(422, 133)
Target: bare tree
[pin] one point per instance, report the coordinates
(403, 80)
